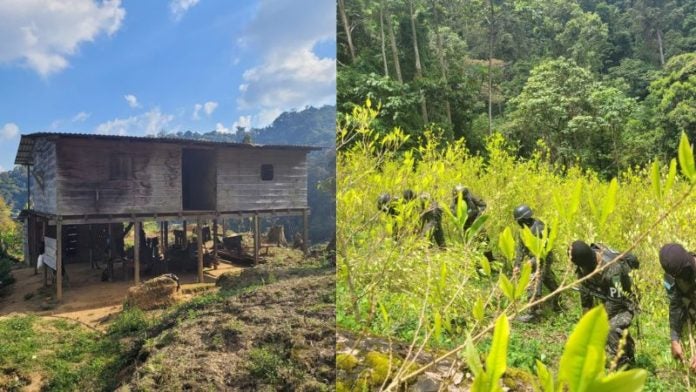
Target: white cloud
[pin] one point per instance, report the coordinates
(179, 7)
(2, 169)
(9, 131)
(132, 100)
(80, 117)
(244, 122)
(219, 128)
(291, 75)
(42, 34)
(148, 123)
(266, 117)
(208, 107)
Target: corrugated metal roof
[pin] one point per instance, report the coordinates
(26, 144)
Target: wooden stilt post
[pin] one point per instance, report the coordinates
(215, 244)
(199, 240)
(222, 221)
(166, 239)
(257, 239)
(91, 247)
(305, 231)
(185, 244)
(136, 251)
(110, 251)
(43, 236)
(59, 260)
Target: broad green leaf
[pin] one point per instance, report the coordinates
(507, 287)
(472, 358)
(522, 283)
(506, 243)
(671, 175)
(496, 362)
(532, 242)
(545, 377)
(686, 158)
(628, 381)
(583, 357)
(476, 226)
(593, 207)
(655, 179)
(485, 265)
(437, 326)
(609, 201)
(479, 309)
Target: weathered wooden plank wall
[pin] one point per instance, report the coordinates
(87, 184)
(240, 187)
(43, 185)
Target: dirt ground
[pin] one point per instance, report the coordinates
(85, 298)
(278, 337)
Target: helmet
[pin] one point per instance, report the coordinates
(522, 213)
(409, 195)
(383, 200)
(537, 229)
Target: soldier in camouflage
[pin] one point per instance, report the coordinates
(680, 281)
(431, 220)
(613, 287)
(546, 277)
(474, 205)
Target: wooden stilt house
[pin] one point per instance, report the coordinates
(97, 183)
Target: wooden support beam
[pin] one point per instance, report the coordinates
(44, 223)
(110, 262)
(136, 251)
(305, 231)
(199, 240)
(185, 244)
(91, 247)
(215, 244)
(257, 239)
(59, 261)
(166, 239)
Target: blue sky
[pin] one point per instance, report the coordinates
(135, 67)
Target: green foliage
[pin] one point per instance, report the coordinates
(129, 322)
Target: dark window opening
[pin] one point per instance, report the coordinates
(267, 172)
(121, 167)
(198, 179)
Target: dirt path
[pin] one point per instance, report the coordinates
(85, 298)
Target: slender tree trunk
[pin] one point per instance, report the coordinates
(659, 45)
(443, 62)
(394, 49)
(419, 68)
(491, 36)
(381, 30)
(346, 26)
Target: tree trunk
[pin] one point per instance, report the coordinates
(491, 37)
(384, 45)
(443, 61)
(419, 69)
(394, 49)
(346, 26)
(659, 45)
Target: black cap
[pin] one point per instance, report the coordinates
(676, 261)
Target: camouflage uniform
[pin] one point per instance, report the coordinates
(614, 283)
(431, 222)
(682, 303)
(474, 205)
(546, 275)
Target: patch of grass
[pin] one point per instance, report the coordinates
(265, 363)
(129, 322)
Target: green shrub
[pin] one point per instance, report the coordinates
(129, 322)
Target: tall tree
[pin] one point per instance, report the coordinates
(347, 27)
(419, 68)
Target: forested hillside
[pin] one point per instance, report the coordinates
(606, 84)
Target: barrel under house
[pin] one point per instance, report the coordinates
(99, 182)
